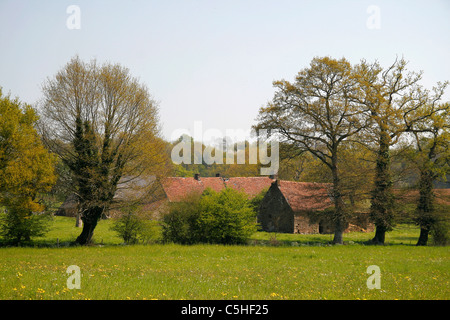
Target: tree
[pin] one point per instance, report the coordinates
(355, 164)
(26, 170)
(104, 125)
(318, 114)
(391, 96)
(431, 156)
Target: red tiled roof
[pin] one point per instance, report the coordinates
(306, 196)
(176, 188)
(250, 185)
(300, 195)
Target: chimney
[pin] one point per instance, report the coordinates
(217, 174)
(197, 176)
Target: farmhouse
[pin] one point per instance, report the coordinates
(154, 196)
(288, 206)
(302, 207)
(177, 188)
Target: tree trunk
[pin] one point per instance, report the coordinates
(90, 219)
(380, 234)
(381, 209)
(339, 214)
(423, 238)
(425, 206)
(338, 234)
(86, 234)
(78, 221)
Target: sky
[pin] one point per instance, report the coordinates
(215, 61)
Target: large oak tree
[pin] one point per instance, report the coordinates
(430, 154)
(318, 114)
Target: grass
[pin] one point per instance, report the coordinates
(292, 270)
(63, 230)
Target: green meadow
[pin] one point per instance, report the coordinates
(271, 266)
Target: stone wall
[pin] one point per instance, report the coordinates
(303, 225)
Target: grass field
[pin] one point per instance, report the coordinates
(285, 267)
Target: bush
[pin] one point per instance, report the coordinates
(20, 226)
(151, 232)
(132, 226)
(180, 224)
(225, 217)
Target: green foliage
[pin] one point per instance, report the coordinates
(133, 227)
(255, 202)
(180, 224)
(223, 166)
(128, 227)
(382, 206)
(18, 226)
(224, 217)
(26, 169)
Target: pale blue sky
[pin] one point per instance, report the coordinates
(214, 61)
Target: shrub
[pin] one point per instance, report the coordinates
(19, 226)
(180, 224)
(132, 226)
(151, 232)
(224, 217)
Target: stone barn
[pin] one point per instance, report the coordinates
(301, 207)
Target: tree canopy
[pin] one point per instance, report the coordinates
(26, 170)
(318, 114)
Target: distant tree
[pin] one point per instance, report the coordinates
(318, 114)
(26, 170)
(237, 167)
(104, 126)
